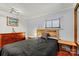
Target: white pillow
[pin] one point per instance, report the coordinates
(53, 37)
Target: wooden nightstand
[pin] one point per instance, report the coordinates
(72, 45)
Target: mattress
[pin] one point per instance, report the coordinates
(31, 47)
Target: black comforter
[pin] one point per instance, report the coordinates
(0, 51)
(31, 47)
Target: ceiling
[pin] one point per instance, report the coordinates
(35, 9)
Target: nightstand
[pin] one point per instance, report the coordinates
(72, 45)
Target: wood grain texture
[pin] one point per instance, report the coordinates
(75, 22)
(8, 38)
(69, 43)
(75, 27)
(52, 32)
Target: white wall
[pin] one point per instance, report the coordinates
(29, 26)
(66, 24)
(8, 29)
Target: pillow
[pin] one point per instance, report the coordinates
(45, 35)
(53, 38)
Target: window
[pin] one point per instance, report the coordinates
(52, 23)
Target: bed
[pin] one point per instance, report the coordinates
(0, 51)
(31, 47)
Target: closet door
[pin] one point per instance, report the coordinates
(78, 25)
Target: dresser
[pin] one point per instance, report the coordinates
(7, 38)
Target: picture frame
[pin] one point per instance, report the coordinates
(11, 21)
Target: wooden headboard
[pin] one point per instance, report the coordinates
(52, 32)
(8, 38)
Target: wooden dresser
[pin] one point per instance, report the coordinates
(8, 38)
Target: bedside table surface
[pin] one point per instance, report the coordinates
(67, 43)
